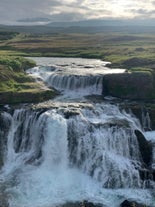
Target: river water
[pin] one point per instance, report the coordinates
(72, 149)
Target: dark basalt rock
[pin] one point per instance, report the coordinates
(81, 204)
(5, 124)
(153, 174)
(3, 198)
(132, 86)
(90, 204)
(70, 113)
(127, 203)
(145, 148)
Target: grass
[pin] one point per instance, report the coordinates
(16, 86)
(12, 79)
(114, 47)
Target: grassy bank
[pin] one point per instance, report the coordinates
(16, 86)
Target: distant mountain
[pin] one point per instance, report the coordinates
(86, 23)
(104, 22)
(88, 26)
(37, 19)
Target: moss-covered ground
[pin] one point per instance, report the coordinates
(16, 86)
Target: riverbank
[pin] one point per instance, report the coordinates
(16, 86)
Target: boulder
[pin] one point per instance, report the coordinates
(133, 86)
(81, 204)
(145, 148)
(5, 123)
(127, 203)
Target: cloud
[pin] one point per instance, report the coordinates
(12, 11)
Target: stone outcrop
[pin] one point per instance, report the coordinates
(12, 97)
(4, 129)
(81, 204)
(145, 148)
(127, 203)
(133, 86)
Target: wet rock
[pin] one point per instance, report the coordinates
(81, 204)
(145, 148)
(4, 199)
(90, 204)
(5, 123)
(133, 86)
(70, 113)
(70, 204)
(127, 203)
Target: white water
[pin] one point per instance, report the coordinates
(107, 153)
(72, 152)
(46, 169)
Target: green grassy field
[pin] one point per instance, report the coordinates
(115, 47)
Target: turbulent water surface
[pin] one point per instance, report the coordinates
(65, 150)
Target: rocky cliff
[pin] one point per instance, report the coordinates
(133, 86)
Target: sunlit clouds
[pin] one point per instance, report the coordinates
(73, 10)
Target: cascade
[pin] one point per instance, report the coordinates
(98, 146)
(83, 84)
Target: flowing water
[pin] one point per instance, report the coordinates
(69, 151)
(74, 77)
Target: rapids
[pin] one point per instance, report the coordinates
(69, 151)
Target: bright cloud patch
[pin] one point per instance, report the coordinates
(64, 10)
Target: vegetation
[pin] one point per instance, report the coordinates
(129, 51)
(16, 86)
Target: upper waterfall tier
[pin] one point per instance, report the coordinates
(83, 76)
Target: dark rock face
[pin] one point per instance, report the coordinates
(133, 86)
(81, 204)
(4, 200)
(90, 204)
(127, 203)
(4, 128)
(145, 148)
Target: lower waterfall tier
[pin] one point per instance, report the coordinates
(50, 157)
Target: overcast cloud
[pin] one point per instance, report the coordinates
(12, 11)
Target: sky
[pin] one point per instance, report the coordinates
(43, 11)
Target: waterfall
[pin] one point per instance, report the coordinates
(83, 84)
(51, 158)
(106, 149)
(29, 139)
(72, 75)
